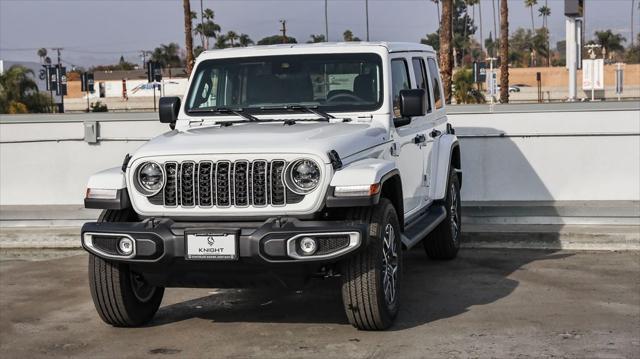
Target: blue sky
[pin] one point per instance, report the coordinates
(98, 32)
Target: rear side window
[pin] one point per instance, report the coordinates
(399, 81)
(435, 82)
(421, 77)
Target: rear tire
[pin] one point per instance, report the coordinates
(371, 279)
(122, 297)
(444, 242)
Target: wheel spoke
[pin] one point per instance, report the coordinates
(389, 264)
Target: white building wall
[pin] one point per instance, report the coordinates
(542, 156)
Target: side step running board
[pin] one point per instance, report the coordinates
(423, 225)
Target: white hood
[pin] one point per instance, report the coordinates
(268, 137)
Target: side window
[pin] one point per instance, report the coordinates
(207, 85)
(399, 81)
(435, 82)
(421, 77)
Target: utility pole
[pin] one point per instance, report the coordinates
(574, 22)
(143, 53)
(201, 23)
(59, 78)
(632, 6)
(366, 10)
(481, 35)
(326, 21)
(284, 31)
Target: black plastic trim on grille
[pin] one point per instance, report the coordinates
(259, 192)
(278, 189)
(171, 186)
(204, 180)
(187, 184)
(241, 183)
(222, 184)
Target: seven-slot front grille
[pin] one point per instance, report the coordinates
(225, 184)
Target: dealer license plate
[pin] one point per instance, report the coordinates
(209, 246)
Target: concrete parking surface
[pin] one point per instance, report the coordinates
(486, 303)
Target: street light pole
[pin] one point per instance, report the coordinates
(326, 21)
(366, 10)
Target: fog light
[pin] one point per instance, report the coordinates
(126, 246)
(308, 246)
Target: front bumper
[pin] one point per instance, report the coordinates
(263, 247)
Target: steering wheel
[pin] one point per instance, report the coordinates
(346, 96)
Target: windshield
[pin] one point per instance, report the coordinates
(330, 82)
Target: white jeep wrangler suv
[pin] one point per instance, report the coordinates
(283, 163)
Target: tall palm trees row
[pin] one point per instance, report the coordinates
(446, 48)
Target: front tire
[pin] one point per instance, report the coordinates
(371, 279)
(444, 242)
(121, 296)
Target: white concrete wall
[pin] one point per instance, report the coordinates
(557, 155)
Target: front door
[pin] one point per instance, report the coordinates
(407, 151)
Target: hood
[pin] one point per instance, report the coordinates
(268, 137)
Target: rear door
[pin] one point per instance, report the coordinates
(425, 124)
(437, 118)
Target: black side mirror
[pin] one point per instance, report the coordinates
(413, 103)
(168, 109)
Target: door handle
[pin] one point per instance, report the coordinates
(435, 133)
(419, 139)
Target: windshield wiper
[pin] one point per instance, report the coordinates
(223, 110)
(311, 109)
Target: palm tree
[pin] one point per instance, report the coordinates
(42, 54)
(446, 50)
(221, 41)
(530, 4)
(504, 52)
(347, 35)
(545, 12)
(232, 37)
(207, 29)
(244, 40)
(188, 39)
(16, 86)
(316, 38)
(610, 42)
(472, 4)
(167, 56)
(464, 91)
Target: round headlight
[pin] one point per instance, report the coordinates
(150, 178)
(303, 176)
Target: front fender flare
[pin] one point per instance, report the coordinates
(361, 173)
(110, 179)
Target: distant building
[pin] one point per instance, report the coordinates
(114, 83)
